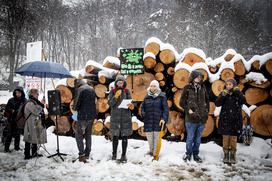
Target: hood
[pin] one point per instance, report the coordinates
(194, 74)
(79, 83)
(120, 78)
(19, 89)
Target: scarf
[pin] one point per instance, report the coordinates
(154, 94)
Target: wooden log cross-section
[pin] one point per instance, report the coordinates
(153, 48)
(65, 93)
(181, 78)
(261, 120)
(149, 62)
(102, 105)
(63, 124)
(239, 68)
(167, 56)
(100, 90)
(256, 95)
(176, 125)
(227, 73)
(191, 59)
(217, 87)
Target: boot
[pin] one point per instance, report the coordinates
(233, 157)
(113, 156)
(123, 159)
(226, 158)
(187, 157)
(82, 158)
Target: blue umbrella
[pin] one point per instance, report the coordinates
(43, 69)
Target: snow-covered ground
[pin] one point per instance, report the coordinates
(254, 162)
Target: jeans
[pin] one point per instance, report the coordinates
(152, 138)
(194, 133)
(84, 130)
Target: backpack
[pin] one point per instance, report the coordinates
(20, 116)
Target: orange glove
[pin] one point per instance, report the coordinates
(118, 93)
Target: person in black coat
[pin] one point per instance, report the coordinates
(231, 101)
(155, 113)
(86, 114)
(11, 110)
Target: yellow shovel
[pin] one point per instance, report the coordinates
(156, 157)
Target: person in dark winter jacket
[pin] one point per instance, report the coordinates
(195, 102)
(230, 118)
(86, 114)
(155, 113)
(11, 110)
(121, 125)
(34, 130)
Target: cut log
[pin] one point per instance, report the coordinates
(227, 73)
(239, 68)
(191, 59)
(108, 63)
(213, 69)
(241, 86)
(100, 90)
(159, 76)
(255, 95)
(255, 65)
(268, 66)
(107, 125)
(153, 48)
(162, 83)
(71, 107)
(104, 80)
(167, 56)
(149, 62)
(212, 108)
(261, 120)
(159, 67)
(209, 127)
(63, 124)
(102, 105)
(217, 87)
(141, 132)
(171, 71)
(228, 57)
(181, 78)
(97, 126)
(204, 73)
(91, 69)
(175, 124)
(140, 84)
(263, 85)
(71, 82)
(176, 100)
(65, 93)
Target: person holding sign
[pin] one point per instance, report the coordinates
(155, 113)
(121, 125)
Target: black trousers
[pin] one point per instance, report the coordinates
(115, 144)
(13, 131)
(34, 149)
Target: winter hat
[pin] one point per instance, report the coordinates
(194, 74)
(155, 83)
(232, 80)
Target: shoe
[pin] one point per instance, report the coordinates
(113, 157)
(82, 158)
(17, 149)
(123, 159)
(197, 159)
(187, 157)
(27, 157)
(87, 157)
(37, 155)
(7, 151)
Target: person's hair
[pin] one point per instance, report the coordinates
(33, 91)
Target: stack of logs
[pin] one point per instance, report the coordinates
(161, 66)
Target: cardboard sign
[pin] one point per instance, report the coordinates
(132, 61)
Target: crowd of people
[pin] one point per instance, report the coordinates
(155, 113)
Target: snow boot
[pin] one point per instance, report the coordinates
(226, 158)
(197, 159)
(82, 158)
(233, 157)
(113, 156)
(187, 157)
(123, 159)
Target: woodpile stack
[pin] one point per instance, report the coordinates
(172, 70)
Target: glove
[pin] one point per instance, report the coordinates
(131, 106)
(162, 122)
(225, 92)
(118, 93)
